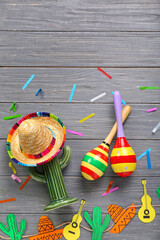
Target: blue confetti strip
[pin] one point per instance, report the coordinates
(73, 89)
(29, 80)
(40, 90)
(148, 160)
(143, 154)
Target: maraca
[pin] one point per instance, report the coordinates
(95, 162)
(123, 159)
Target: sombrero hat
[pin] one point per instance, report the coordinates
(46, 230)
(36, 139)
(120, 216)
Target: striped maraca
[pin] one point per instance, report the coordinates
(123, 159)
(95, 162)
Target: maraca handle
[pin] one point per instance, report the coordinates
(125, 112)
(118, 111)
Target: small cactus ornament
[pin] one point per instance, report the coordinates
(12, 230)
(96, 223)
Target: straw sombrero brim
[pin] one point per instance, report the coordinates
(48, 120)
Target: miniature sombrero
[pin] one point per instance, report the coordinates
(120, 216)
(36, 139)
(46, 230)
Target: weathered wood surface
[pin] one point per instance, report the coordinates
(80, 49)
(35, 193)
(63, 43)
(79, 15)
(97, 127)
(81, 147)
(57, 84)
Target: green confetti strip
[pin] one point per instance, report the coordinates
(143, 88)
(11, 117)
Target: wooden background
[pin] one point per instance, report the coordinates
(63, 42)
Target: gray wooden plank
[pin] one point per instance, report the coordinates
(80, 15)
(81, 147)
(139, 125)
(135, 228)
(132, 49)
(57, 84)
(34, 196)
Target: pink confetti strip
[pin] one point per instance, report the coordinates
(112, 190)
(152, 110)
(76, 133)
(14, 177)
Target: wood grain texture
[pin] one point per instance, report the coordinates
(80, 49)
(81, 147)
(130, 190)
(63, 43)
(79, 15)
(57, 83)
(139, 125)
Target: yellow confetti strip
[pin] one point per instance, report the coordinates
(84, 119)
(11, 166)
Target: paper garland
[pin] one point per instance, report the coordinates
(120, 216)
(12, 230)
(46, 230)
(96, 223)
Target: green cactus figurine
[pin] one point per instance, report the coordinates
(12, 230)
(53, 177)
(96, 223)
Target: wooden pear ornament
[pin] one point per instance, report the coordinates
(123, 159)
(95, 162)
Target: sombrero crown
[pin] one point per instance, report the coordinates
(35, 139)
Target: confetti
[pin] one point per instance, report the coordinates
(14, 105)
(26, 181)
(156, 128)
(143, 88)
(112, 190)
(13, 169)
(143, 154)
(12, 117)
(76, 133)
(104, 73)
(152, 110)
(148, 160)
(29, 80)
(39, 91)
(97, 97)
(73, 90)
(14, 177)
(7, 200)
(86, 118)
(109, 186)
